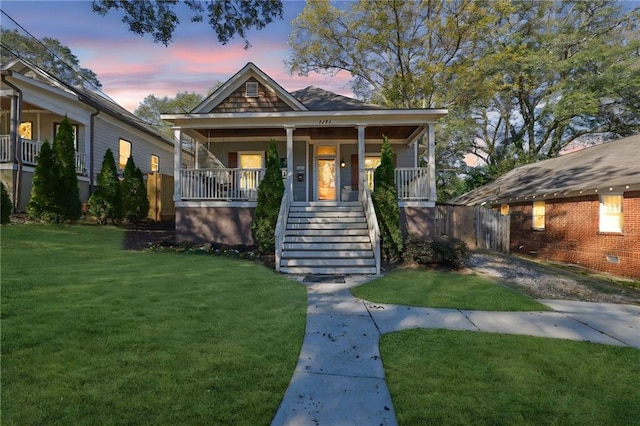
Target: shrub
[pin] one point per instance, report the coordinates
(106, 202)
(67, 192)
(135, 204)
(42, 204)
(385, 201)
(442, 250)
(5, 205)
(270, 193)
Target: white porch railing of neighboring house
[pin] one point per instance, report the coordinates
(412, 183)
(220, 184)
(372, 221)
(30, 150)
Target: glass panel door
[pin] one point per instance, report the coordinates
(326, 171)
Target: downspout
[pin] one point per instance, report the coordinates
(91, 145)
(16, 108)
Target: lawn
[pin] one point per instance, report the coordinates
(94, 334)
(442, 289)
(445, 377)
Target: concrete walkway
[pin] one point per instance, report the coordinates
(339, 378)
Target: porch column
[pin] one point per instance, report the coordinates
(361, 170)
(432, 162)
(416, 153)
(289, 185)
(177, 164)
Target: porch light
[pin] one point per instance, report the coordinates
(342, 163)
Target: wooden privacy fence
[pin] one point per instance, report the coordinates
(479, 227)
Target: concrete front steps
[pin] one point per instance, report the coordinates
(327, 238)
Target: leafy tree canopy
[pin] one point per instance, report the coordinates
(228, 18)
(49, 54)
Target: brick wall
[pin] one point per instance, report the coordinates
(572, 234)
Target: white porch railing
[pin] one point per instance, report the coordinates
(372, 221)
(412, 183)
(220, 184)
(5, 148)
(281, 226)
(30, 150)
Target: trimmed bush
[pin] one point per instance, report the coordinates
(270, 193)
(106, 202)
(5, 205)
(135, 203)
(385, 201)
(67, 192)
(42, 204)
(442, 250)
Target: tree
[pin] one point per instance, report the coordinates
(400, 54)
(385, 201)
(67, 192)
(42, 204)
(135, 204)
(106, 202)
(48, 54)
(5, 205)
(228, 18)
(151, 108)
(270, 193)
(555, 72)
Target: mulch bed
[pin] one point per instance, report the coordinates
(144, 235)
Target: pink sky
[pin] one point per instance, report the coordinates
(131, 67)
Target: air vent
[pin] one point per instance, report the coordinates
(613, 259)
(251, 89)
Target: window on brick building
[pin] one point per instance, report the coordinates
(611, 213)
(538, 214)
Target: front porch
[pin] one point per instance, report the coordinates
(226, 184)
(28, 151)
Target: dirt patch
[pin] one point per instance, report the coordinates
(144, 235)
(546, 281)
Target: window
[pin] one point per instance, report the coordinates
(504, 209)
(251, 89)
(155, 163)
(56, 126)
(250, 163)
(124, 153)
(25, 130)
(611, 213)
(538, 214)
(370, 165)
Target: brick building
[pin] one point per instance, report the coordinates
(580, 208)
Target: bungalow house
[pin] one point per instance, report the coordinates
(581, 208)
(329, 146)
(34, 103)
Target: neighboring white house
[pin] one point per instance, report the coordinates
(33, 103)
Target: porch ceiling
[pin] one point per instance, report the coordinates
(326, 133)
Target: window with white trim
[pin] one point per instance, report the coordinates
(611, 219)
(155, 163)
(124, 153)
(251, 89)
(538, 215)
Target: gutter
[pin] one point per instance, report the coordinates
(16, 108)
(91, 149)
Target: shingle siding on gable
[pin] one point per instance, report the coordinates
(572, 234)
(267, 101)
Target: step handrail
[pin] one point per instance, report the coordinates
(281, 226)
(372, 221)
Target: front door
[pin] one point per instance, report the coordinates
(326, 173)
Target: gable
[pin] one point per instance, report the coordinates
(231, 98)
(238, 101)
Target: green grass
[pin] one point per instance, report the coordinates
(438, 289)
(93, 334)
(445, 377)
